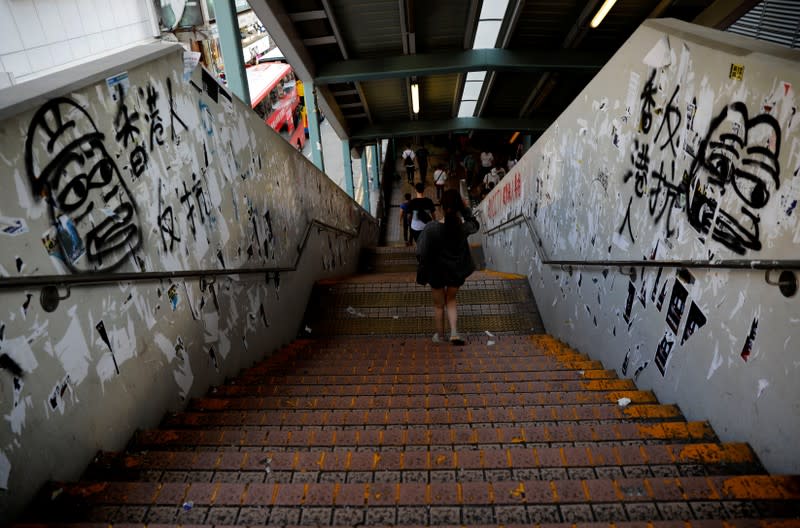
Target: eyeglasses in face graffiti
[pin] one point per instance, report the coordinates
(90, 204)
(735, 173)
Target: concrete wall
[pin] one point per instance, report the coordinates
(145, 170)
(40, 36)
(685, 146)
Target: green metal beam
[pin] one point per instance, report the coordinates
(231, 44)
(460, 124)
(459, 62)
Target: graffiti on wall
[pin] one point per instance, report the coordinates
(739, 154)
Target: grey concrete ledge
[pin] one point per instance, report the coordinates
(24, 96)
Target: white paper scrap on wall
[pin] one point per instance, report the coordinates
(632, 99)
(20, 351)
(762, 384)
(661, 54)
(224, 345)
(124, 342)
(105, 367)
(33, 208)
(17, 415)
(166, 347)
(211, 326)
(184, 377)
(73, 351)
(716, 362)
(5, 470)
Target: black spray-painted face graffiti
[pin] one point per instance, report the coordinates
(90, 205)
(735, 173)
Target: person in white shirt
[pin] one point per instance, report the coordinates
(408, 162)
(439, 179)
(491, 179)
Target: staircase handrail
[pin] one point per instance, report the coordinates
(92, 278)
(755, 264)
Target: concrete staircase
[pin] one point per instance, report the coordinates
(365, 421)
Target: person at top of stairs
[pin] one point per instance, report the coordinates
(445, 261)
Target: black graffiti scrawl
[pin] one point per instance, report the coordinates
(733, 176)
(93, 211)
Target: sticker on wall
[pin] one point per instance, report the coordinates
(118, 83)
(694, 322)
(55, 401)
(736, 72)
(101, 329)
(677, 303)
(747, 349)
(12, 226)
(190, 60)
(663, 352)
(172, 294)
(72, 247)
(629, 302)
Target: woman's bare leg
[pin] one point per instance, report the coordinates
(452, 314)
(439, 300)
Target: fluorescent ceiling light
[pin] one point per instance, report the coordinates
(486, 34)
(493, 9)
(467, 108)
(602, 12)
(476, 76)
(415, 97)
(472, 90)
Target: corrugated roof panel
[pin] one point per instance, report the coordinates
(370, 28)
(776, 21)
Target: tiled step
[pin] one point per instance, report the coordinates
(453, 400)
(291, 385)
(555, 434)
(643, 499)
(400, 417)
(515, 463)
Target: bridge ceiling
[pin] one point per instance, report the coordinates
(364, 55)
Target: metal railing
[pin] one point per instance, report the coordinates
(111, 277)
(787, 280)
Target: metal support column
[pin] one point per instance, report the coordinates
(365, 182)
(348, 169)
(231, 44)
(313, 127)
(376, 165)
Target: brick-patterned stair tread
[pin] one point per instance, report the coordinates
(414, 396)
(451, 377)
(386, 385)
(399, 417)
(466, 400)
(242, 436)
(766, 495)
(429, 353)
(465, 367)
(566, 462)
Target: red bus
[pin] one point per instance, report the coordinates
(274, 96)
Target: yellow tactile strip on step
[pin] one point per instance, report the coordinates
(417, 325)
(423, 298)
